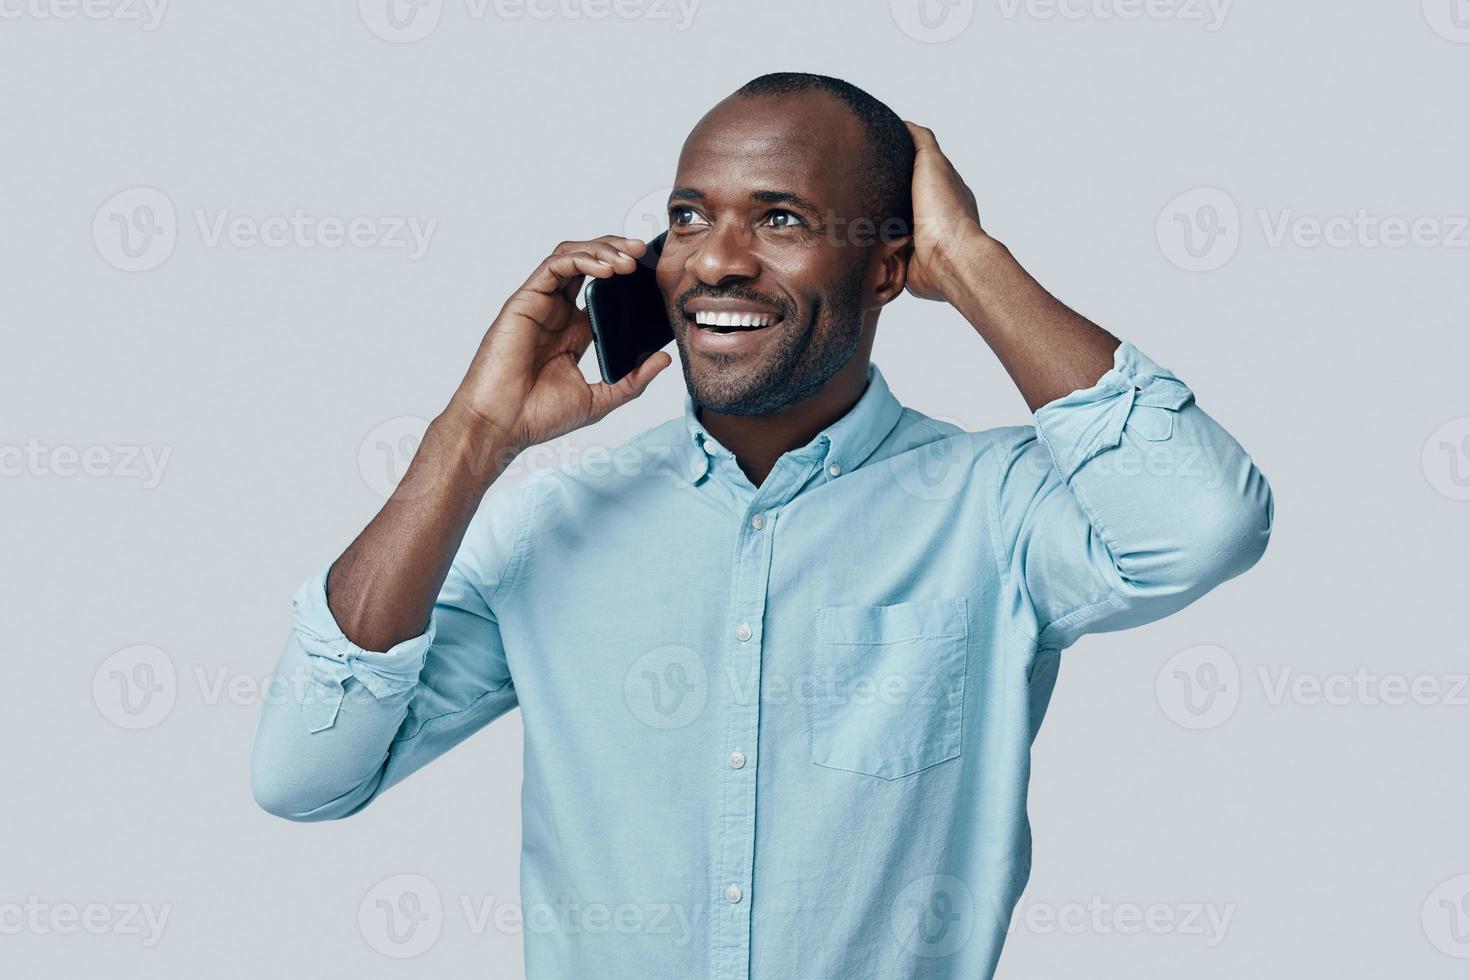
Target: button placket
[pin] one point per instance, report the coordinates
(735, 868)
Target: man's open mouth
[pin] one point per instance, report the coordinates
(730, 321)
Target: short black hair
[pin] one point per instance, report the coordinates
(886, 192)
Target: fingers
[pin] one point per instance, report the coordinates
(923, 137)
(570, 261)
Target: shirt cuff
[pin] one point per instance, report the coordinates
(384, 674)
(1135, 392)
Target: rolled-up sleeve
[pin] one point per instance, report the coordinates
(1126, 503)
(343, 724)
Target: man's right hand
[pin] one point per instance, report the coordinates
(525, 384)
(524, 388)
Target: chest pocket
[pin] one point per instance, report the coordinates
(889, 692)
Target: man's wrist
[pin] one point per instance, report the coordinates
(968, 262)
(469, 447)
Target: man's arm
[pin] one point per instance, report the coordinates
(1047, 349)
(395, 655)
(1130, 501)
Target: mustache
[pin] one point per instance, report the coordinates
(736, 293)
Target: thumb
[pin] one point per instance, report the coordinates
(608, 397)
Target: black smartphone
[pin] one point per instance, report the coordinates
(628, 316)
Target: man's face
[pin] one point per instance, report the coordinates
(764, 282)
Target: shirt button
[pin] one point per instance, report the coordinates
(743, 632)
(737, 759)
(732, 894)
(758, 521)
(833, 469)
(709, 447)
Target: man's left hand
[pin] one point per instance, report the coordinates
(946, 220)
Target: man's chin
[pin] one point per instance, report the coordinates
(729, 390)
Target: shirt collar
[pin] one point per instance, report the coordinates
(844, 445)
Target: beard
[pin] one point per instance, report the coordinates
(797, 362)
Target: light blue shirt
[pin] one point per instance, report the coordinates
(780, 731)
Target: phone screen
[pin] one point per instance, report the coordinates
(628, 316)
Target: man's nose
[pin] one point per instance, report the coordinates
(725, 253)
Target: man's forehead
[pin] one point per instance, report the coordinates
(802, 144)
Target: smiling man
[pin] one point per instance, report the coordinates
(780, 668)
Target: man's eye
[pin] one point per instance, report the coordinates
(785, 219)
(683, 217)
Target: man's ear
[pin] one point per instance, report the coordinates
(892, 259)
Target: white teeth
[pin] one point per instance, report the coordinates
(706, 318)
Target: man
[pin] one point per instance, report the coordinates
(780, 665)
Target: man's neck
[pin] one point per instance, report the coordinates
(758, 441)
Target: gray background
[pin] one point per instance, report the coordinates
(1331, 834)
